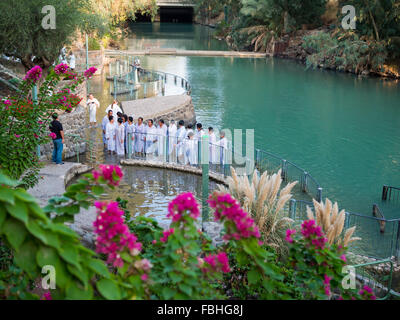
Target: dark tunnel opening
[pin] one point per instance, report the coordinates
(176, 14)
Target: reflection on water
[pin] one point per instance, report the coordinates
(149, 190)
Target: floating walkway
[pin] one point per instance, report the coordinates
(187, 53)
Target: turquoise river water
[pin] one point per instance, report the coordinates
(344, 130)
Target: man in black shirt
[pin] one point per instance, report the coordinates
(57, 128)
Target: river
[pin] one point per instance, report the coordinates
(344, 130)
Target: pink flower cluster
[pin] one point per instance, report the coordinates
(7, 102)
(34, 74)
(61, 68)
(166, 235)
(310, 230)
(216, 263)
(327, 285)
(112, 174)
(90, 72)
(289, 234)
(52, 135)
(366, 292)
(227, 208)
(47, 296)
(113, 235)
(185, 202)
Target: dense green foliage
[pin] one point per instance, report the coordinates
(22, 35)
(24, 124)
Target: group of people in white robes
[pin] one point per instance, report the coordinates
(181, 144)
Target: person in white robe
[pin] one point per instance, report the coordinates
(212, 143)
(140, 136)
(106, 120)
(150, 138)
(191, 149)
(161, 138)
(199, 132)
(72, 61)
(222, 144)
(180, 138)
(189, 129)
(93, 104)
(120, 138)
(110, 135)
(114, 107)
(172, 129)
(130, 136)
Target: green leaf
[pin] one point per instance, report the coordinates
(99, 267)
(25, 257)
(25, 196)
(15, 232)
(168, 293)
(75, 292)
(175, 277)
(80, 274)
(19, 211)
(98, 190)
(7, 195)
(253, 276)
(3, 215)
(109, 289)
(186, 289)
(70, 254)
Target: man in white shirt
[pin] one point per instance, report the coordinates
(104, 123)
(223, 146)
(114, 107)
(161, 137)
(93, 104)
(150, 138)
(212, 143)
(199, 132)
(172, 129)
(181, 135)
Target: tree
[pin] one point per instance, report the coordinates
(23, 36)
(119, 11)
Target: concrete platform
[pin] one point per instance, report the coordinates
(178, 107)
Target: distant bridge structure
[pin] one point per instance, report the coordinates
(175, 3)
(175, 10)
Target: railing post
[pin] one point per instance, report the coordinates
(204, 160)
(115, 87)
(384, 192)
(305, 181)
(284, 170)
(167, 147)
(397, 246)
(319, 195)
(258, 158)
(129, 145)
(292, 209)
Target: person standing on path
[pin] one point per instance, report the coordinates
(72, 61)
(110, 135)
(106, 120)
(58, 142)
(114, 107)
(140, 136)
(120, 137)
(93, 104)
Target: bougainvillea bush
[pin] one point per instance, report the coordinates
(24, 123)
(136, 259)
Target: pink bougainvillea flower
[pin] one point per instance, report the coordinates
(144, 277)
(34, 74)
(215, 263)
(166, 235)
(113, 235)
(289, 234)
(183, 204)
(227, 208)
(52, 135)
(17, 135)
(7, 102)
(112, 174)
(310, 230)
(61, 68)
(90, 72)
(47, 296)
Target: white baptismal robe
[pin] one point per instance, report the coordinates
(181, 136)
(110, 136)
(119, 140)
(139, 137)
(213, 148)
(161, 139)
(191, 151)
(114, 108)
(93, 104)
(103, 127)
(172, 130)
(151, 136)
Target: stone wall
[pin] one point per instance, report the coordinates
(73, 123)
